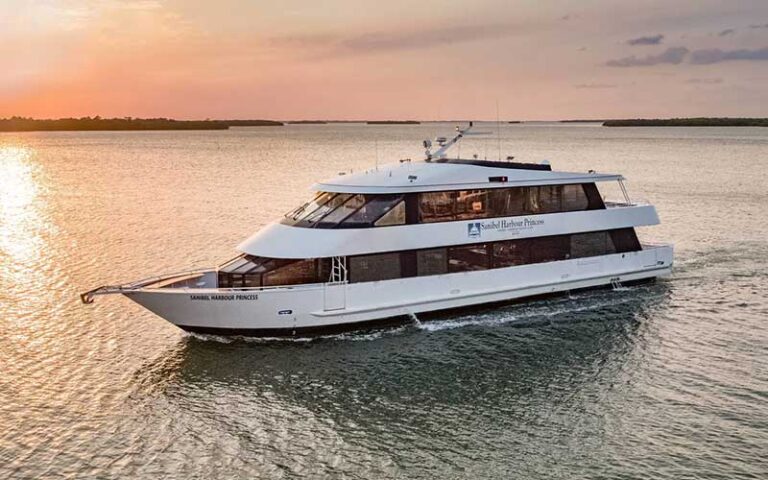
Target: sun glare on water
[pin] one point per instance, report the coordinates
(19, 219)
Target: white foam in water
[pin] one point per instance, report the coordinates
(528, 314)
(524, 314)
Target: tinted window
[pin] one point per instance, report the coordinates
(591, 244)
(431, 262)
(511, 253)
(343, 210)
(550, 249)
(370, 268)
(506, 202)
(550, 198)
(625, 240)
(471, 204)
(375, 207)
(326, 208)
(436, 206)
(396, 216)
(468, 258)
(309, 207)
(293, 273)
(574, 198)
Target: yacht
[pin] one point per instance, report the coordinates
(378, 247)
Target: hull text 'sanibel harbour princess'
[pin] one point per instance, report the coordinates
(375, 247)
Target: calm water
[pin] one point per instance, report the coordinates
(664, 381)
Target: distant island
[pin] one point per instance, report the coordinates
(689, 122)
(515, 121)
(393, 122)
(21, 124)
(583, 121)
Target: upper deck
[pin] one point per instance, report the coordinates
(423, 176)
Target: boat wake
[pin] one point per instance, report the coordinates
(548, 312)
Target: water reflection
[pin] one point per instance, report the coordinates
(19, 220)
(422, 385)
(460, 364)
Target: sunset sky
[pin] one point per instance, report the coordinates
(352, 59)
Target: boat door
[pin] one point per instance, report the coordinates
(335, 291)
(335, 295)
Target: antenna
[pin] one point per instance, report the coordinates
(444, 144)
(377, 154)
(498, 127)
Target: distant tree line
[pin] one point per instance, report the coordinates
(22, 124)
(689, 122)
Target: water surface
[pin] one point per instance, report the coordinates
(662, 381)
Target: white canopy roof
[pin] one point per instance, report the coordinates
(434, 176)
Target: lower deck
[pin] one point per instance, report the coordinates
(322, 307)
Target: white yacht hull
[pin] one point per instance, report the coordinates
(329, 308)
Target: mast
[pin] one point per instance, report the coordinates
(444, 144)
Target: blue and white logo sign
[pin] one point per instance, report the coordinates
(473, 230)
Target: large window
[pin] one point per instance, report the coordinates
(248, 271)
(591, 244)
(511, 253)
(502, 202)
(431, 262)
(343, 210)
(467, 258)
(550, 249)
(370, 268)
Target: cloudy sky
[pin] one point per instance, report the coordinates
(357, 59)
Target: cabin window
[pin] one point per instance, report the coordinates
(344, 210)
(371, 268)
(431, 262)
(550, 249)
(436, 206)
(375, 209)
(293, 273)
(395, 216)
(471, 204)
(574, 198)
(591, 244)
(503, 202)
(468, 258)
(550, 198)
(320, 199)
(511, 253)
(625, 240)
(329, 206)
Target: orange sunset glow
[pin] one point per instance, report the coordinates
(345, 59)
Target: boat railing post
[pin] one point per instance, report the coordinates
(624, 191)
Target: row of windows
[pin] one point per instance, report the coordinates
(343, 210)
(258, 272)
(483, 256)
(503, 202)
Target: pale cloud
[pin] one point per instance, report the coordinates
(596, 86)
(673, 56)
(396, 40)
(715, 55)
(705, 81)
(650, 40)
